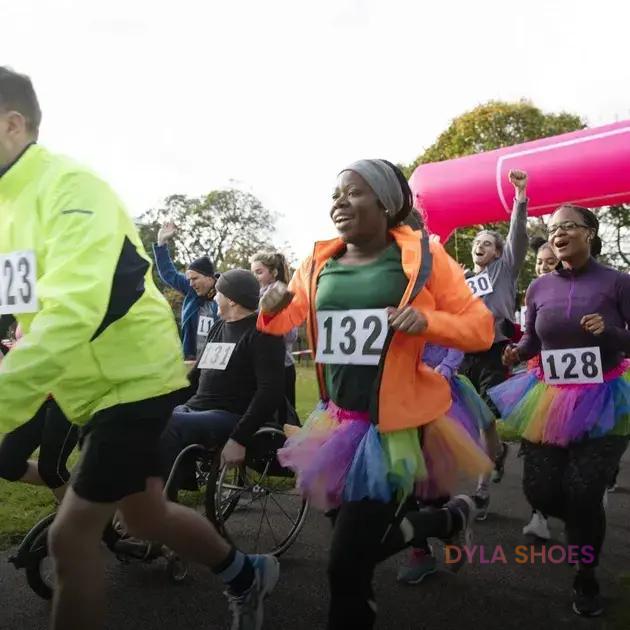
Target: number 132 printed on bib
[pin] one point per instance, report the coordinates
(354, 337)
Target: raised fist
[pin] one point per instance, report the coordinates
(518, 180)
(166, 233)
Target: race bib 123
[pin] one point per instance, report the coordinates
(18, 283)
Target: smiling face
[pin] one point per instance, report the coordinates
(569, 236)
(356, 211)
(546, 260)
(484, 249)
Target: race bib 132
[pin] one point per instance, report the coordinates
(354, 337)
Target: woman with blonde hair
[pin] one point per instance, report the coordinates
(270, 267)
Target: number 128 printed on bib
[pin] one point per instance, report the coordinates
(572, 366)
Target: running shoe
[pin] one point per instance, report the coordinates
(462, 509)
(482, 503)
(537, 527)
(587, 602)
(421, 563)
(499, 463)
(247, 609)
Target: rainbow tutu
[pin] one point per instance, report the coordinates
(468, 408)
(561, 414)
(339, 456)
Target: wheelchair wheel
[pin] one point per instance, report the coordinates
(40, 571)
(257, 506)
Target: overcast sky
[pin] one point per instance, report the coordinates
(279, 95)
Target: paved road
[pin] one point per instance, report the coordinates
(493, 597)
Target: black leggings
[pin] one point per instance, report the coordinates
(53, 434)
(357, 547)
(569, 483)
(289, 384)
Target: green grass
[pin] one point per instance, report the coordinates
(21, 506)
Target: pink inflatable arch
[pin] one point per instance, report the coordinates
(589, 167)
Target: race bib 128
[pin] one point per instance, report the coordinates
(354, 337)
(216, 356)
(480, 284)
(572, 366)
(18, 283)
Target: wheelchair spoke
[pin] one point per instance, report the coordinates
(283, 510)
(262, 516)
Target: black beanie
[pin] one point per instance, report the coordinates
(203, 266)
(240, 286)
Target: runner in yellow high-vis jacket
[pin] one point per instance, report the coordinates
(101, 339)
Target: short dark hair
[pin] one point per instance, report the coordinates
(591, 221)
(17, 94)
(536, 242)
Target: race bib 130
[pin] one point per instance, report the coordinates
(354, 337)
(18, 283)
(480, 284)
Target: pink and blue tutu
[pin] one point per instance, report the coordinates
(340, 456)
(468, 408)
(562, 414)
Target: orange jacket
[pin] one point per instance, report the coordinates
(410, 393)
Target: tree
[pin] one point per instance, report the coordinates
(614, 231)
(228, 225)
(494, 125)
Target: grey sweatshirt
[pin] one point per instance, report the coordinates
(504, 272)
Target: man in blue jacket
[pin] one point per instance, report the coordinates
(199, 311)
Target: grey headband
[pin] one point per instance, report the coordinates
(382, 180)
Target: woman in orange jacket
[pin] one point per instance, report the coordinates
(372, 298)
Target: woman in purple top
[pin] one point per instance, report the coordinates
(573, 411)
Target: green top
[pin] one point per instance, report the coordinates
(99, 332)
(340, 287)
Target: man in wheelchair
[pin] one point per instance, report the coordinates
(238, 383)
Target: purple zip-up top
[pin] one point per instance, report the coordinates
(557, 301)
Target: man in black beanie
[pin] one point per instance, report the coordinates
(199, 311)
(239, 378)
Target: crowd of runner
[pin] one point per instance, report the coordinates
(416, 361)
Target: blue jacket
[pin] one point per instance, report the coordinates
(192, 302)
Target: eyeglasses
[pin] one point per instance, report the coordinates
(565, 226)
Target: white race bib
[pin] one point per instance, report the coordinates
(216, 356)
(204, 326)
(354, 337)
(480, 284)
(18, 283)
(572, 366)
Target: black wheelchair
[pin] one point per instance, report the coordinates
(256, 505)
